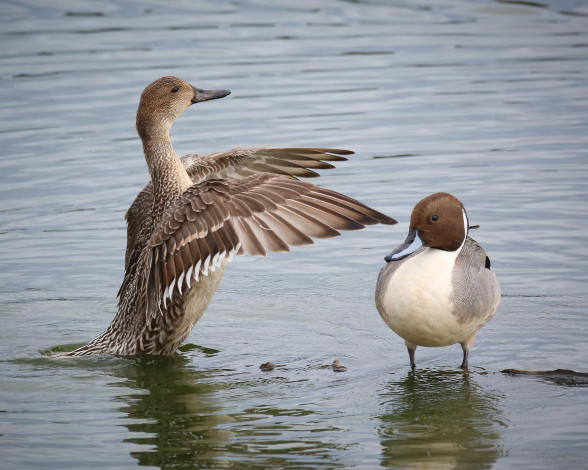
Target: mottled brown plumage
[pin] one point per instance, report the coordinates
(199, 211)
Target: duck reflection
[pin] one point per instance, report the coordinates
(173, 415)
(441, 420)
(183, 417)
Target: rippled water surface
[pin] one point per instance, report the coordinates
(487, 100)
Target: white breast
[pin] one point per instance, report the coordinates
(417, 300)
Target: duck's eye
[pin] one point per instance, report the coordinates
(434, 218)
(175, 89)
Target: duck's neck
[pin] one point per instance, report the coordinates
(168, 176)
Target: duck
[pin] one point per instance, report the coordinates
(199, 211)
(437, 288)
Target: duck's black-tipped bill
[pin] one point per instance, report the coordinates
(412, 243)
(207, 95)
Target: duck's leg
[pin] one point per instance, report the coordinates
(464, 363)
(411, 349)
(466, 345)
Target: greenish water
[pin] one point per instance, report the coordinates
(487, 100)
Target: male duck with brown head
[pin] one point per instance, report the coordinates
(437, 288)
(199, 211)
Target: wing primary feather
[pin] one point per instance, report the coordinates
(315, 153)
(269, 237)
(262, 236)
(301, 160)
(285, 230)
(307, 224)
(284, 167)
(339, 207)
(260, 167)
(332, 218)
(378, 216)
(249, 241)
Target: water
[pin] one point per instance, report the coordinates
(486, 100)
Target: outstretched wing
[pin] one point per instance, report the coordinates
(236, 163)
(216, 219)
(239, 163)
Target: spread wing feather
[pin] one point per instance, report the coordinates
(217, 219)
(236, 163)
(241, 163)
(243, 201)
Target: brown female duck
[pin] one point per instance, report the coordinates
(199, 211)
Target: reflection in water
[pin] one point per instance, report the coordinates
(174, 414)
(441, 420)
(177, 416)
(188, 418)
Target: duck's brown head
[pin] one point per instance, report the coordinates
(438, 221)
(163, 101)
